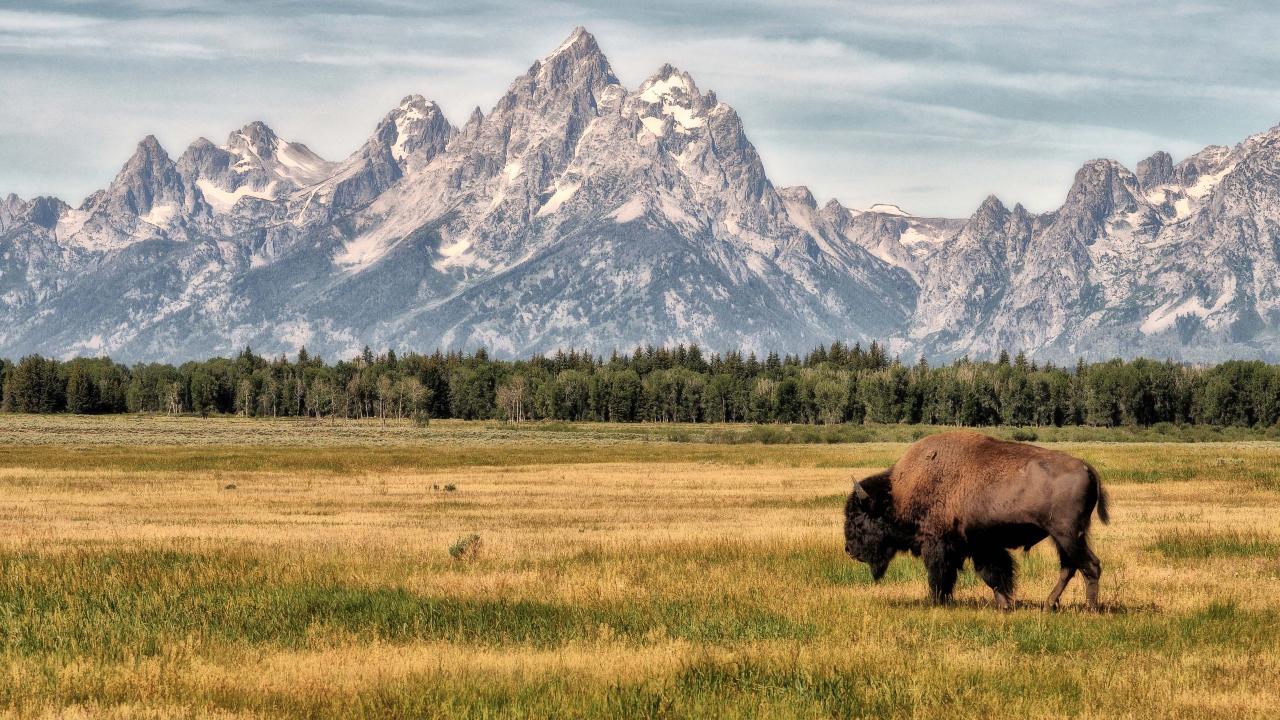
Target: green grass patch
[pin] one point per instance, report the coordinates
(119, 604)
(1203, 545)
(1035, 632)
(792, 435)
(833, 501)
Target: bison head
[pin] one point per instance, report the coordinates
(870, 534)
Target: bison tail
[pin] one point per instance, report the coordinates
(1104, 513)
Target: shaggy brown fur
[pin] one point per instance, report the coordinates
(964, 495)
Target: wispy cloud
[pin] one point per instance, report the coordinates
(852, 98)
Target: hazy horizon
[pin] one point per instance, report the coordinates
(931, 106)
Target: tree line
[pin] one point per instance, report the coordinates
(835, 384)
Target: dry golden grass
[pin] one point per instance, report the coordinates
(157, 568)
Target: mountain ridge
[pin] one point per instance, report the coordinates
(580, 213)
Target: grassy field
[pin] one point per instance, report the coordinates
(223, 568)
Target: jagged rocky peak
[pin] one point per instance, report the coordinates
(1266, 140)
(1206, 162)
(148, 158)
(253, 140)
(203, 159)
(575, 67)
(147, 186)
(835, 212)
(413, 132)
(996, 232)
(800, 194)
(44, 211)
(669, 85)
(1155, 170)
(671, 108)
(257, 147)
(415, 128)
(670, 100)
(834, 207)
(991, 214)
(994, 216)
(580, 48)
(1101, 188)
(526, 141)
(11, 208)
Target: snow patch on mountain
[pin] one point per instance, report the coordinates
(222, 201)
(629, 211)
(1164, 317)
(559, 197)
(360, 253)
(160, 215)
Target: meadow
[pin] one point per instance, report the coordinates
(158, 567)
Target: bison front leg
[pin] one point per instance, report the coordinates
(995, 567)
(942, 560)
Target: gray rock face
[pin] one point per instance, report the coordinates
(1155, 170)
(579, 212)
(1174, 261)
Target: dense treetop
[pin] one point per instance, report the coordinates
(829, 385)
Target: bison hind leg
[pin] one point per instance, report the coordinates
(995, 566)
(1091, 568)
(1074, 554)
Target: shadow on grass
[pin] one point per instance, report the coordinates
(1023, 606)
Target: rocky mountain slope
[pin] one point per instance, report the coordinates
(578, 212)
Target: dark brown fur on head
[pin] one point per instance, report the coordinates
(871, 534)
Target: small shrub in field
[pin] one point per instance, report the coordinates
(769, 435)
(229, 486)
(858, 435)
(724, 437)
(806, 434)
(466, 547)
(1025, 435)
(450, 487)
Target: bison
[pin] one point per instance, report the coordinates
(959, 495)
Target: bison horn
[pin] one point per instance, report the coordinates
(860, 492)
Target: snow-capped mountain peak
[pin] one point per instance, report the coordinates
(256, 147)
(579, 213)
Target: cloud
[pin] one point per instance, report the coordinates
(956, 92)
(22, 21)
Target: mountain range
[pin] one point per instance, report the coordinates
(580, 213)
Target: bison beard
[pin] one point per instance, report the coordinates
(958, 496)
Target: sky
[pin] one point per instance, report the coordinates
(931, 105)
